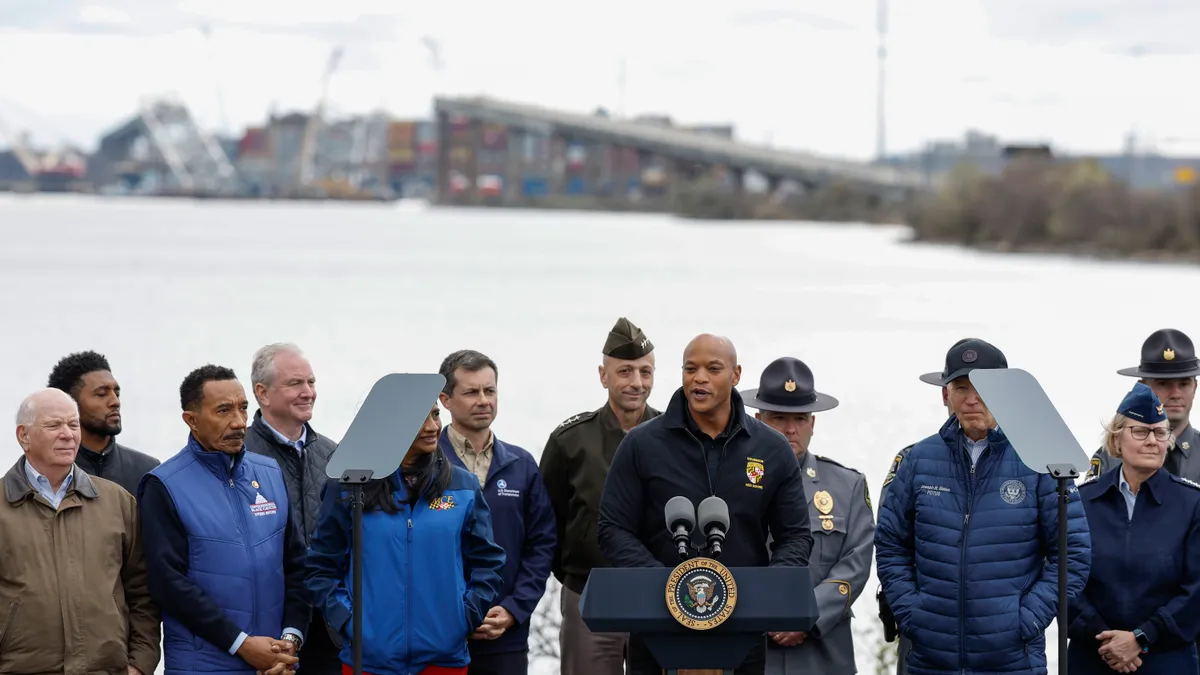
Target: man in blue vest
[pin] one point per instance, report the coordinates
(224, 556)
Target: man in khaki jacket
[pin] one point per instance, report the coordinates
(73, 593)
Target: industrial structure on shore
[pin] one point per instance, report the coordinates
(474, 150)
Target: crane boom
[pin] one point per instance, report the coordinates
(308, 144)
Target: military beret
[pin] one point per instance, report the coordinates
(626, 341)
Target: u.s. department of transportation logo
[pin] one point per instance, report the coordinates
(701, 593)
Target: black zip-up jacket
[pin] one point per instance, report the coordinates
(304, 475)
(117, 463)
(752, 468)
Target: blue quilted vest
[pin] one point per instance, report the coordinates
(235, 521)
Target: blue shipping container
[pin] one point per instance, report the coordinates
(534, 186)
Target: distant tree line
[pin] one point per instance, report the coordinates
(1042, 205)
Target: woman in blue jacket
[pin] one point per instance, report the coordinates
(431, 569)
(1140, 609)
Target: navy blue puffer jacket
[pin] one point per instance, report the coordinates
(968, 556)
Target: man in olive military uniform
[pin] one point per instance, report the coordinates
(841, 520)
(1169, 367)
(574, 464)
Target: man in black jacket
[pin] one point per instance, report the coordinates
(741, 460)
(87, 378)
(285, 389)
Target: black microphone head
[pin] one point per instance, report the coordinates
(679, 511)
(713, 512)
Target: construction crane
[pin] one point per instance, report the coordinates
(306, 170)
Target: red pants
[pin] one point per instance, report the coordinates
(427, 670)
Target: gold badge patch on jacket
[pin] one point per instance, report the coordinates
(824, 503)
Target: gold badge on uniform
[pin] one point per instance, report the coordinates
(254, 484)
(844, 589)
(812, 473)
(823, 501)
(789, 386)
(1168, 354)
(827, 523)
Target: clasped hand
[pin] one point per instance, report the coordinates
(1120, 650)
(269, 656)
(494, 624)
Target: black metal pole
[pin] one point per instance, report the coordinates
(1062, 575)
(356, 554)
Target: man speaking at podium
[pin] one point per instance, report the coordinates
(704, 445)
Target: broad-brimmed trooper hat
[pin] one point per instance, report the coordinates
(786, 386)
(1166, 354)
(966, 355)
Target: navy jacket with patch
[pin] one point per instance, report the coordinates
(523, 525)
(967, 556)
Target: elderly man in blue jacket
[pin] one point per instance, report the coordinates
(522, 516)
(967, 540)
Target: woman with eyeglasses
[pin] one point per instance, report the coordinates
(1140, 609)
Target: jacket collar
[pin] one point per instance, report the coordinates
(609, 420)
(216, 462)
(17, 487)
(951, 432)
(676, 415)
(260, 427)
(502, 456)
(1155, 485)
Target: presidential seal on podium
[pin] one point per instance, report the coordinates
(701, 593)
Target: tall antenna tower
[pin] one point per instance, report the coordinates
(880, 94)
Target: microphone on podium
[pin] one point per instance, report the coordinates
(681, 520)
(713, 514)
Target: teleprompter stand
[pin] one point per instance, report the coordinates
(634, 600)
(1041, 439)
(389, 420)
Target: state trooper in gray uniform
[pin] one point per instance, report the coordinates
(843, 525)
(1169, 367)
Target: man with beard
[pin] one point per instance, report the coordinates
(522, 519)
(741, 460)
(1169, 367)
(224, 555)
(285, 389)
(87, 378)
(574, 464)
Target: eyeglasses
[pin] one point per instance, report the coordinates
(1140, 433)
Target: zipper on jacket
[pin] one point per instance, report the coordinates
(408, 623)
(962, 563)
(249, 550)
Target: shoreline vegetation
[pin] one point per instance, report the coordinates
(1038, 206)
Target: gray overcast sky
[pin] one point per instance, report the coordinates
(1079, 73)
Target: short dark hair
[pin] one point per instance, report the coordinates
(467, 359)
(191, 392)
(69, 371)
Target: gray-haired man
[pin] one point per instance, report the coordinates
(286, 391)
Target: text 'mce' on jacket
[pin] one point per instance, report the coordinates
(431, 574)
(968, 556)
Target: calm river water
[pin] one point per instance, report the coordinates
(161, 287)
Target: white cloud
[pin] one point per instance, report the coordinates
(99, 14)
(801, 72)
